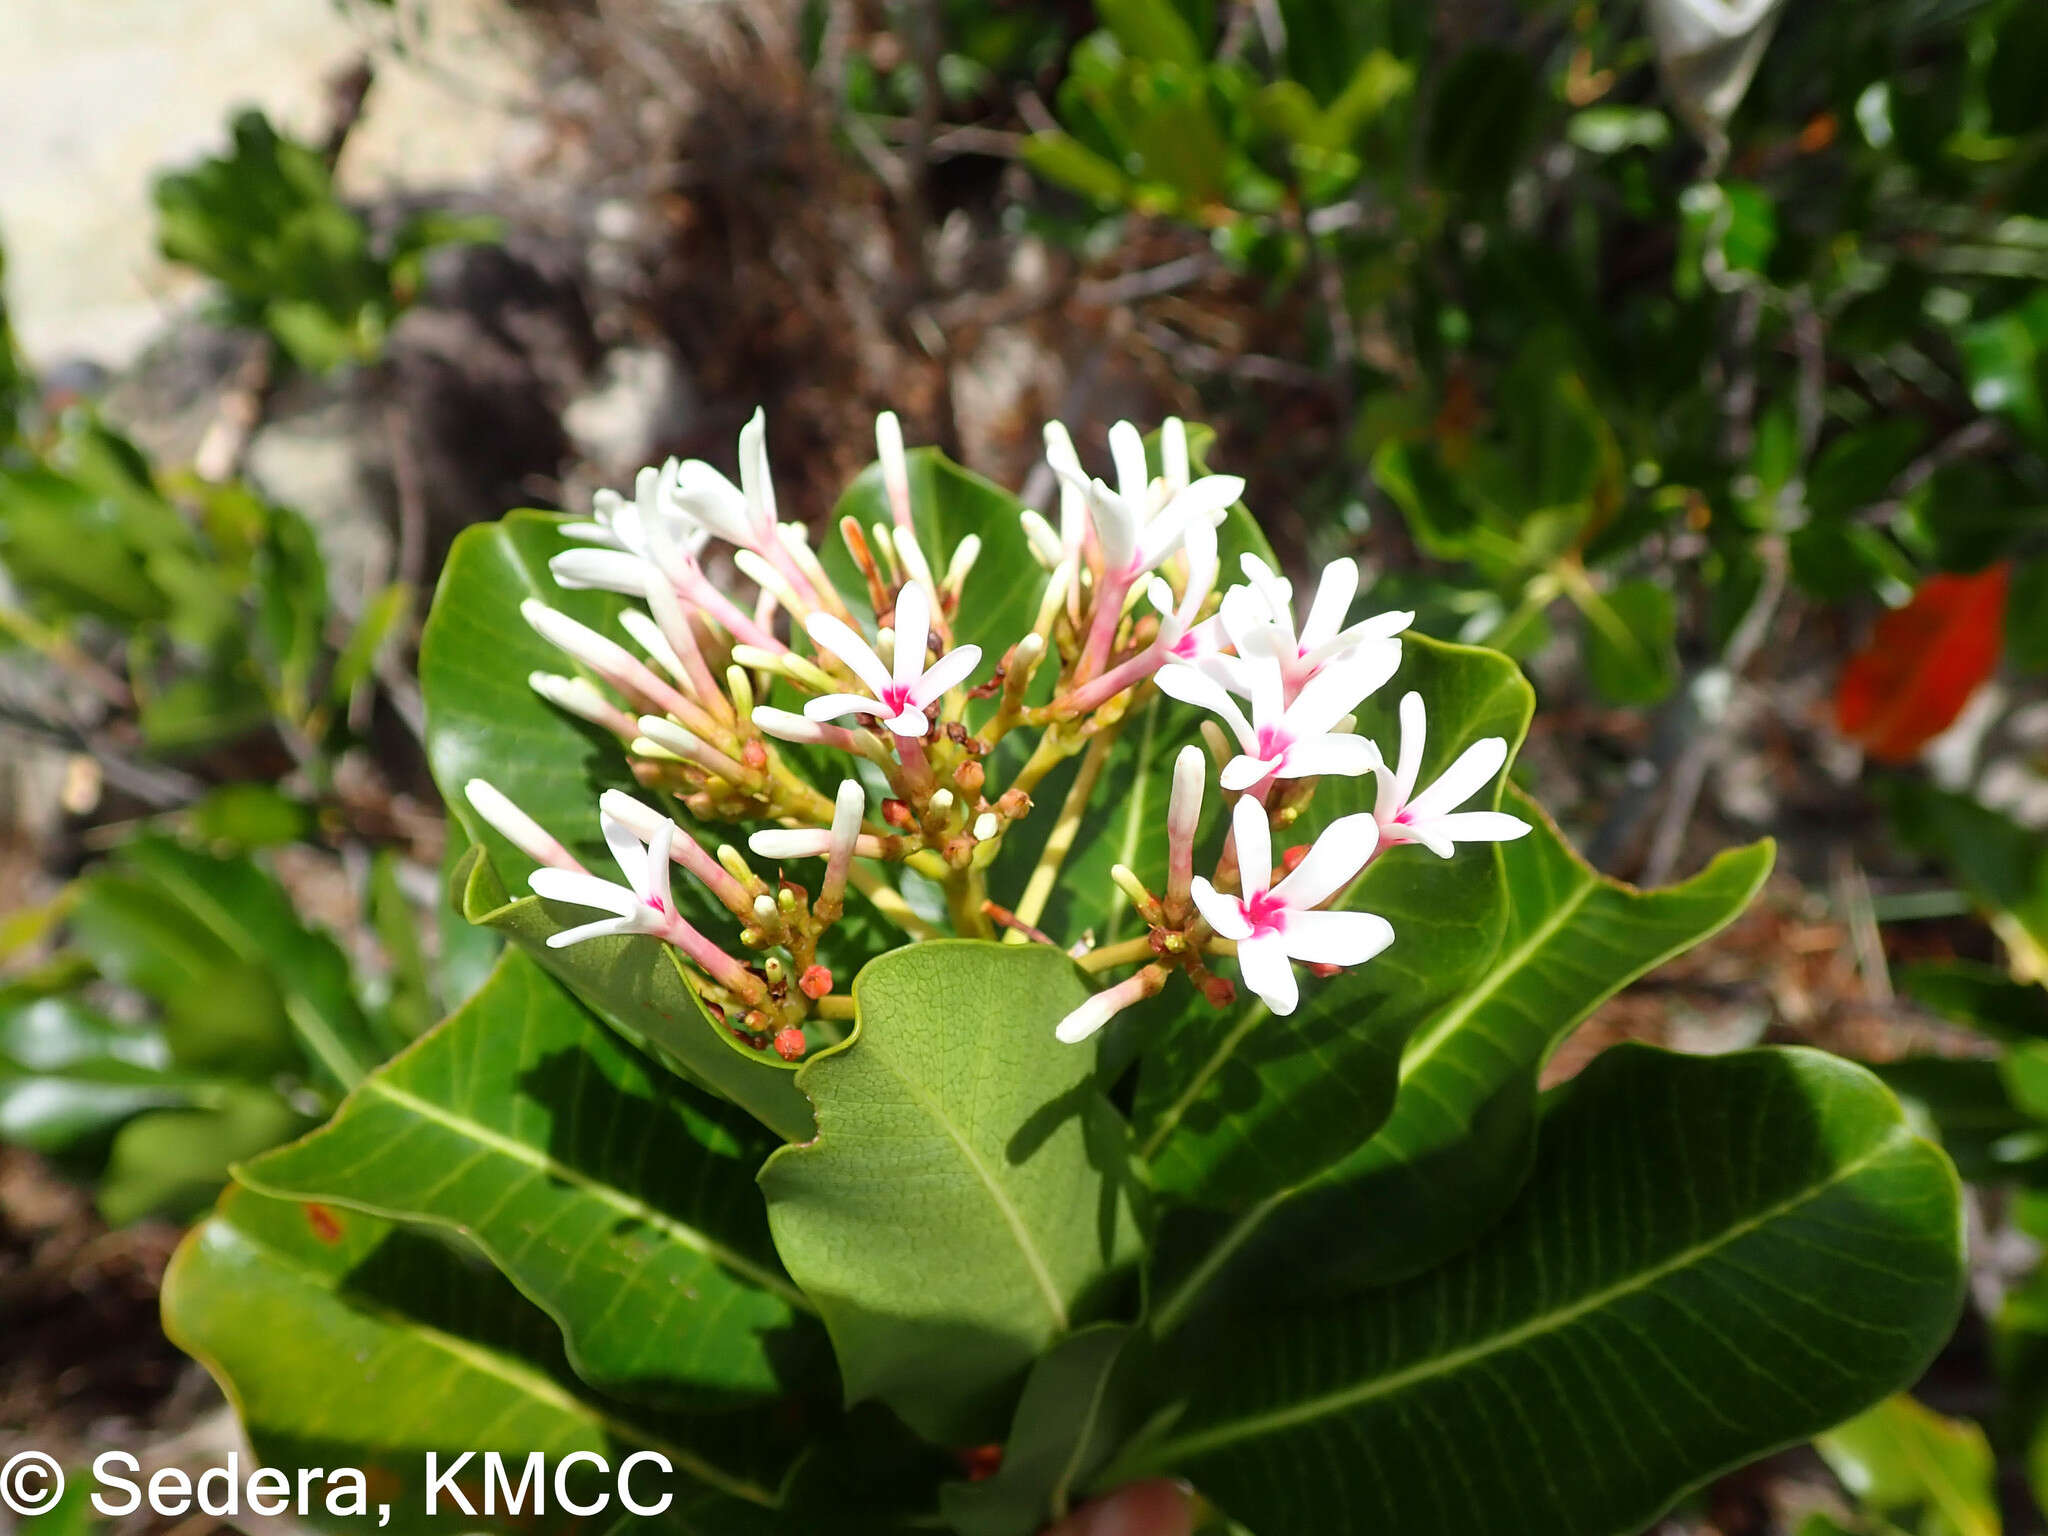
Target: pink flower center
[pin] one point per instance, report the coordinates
(1273, 743)
(1266, 913)
(658, 905)
(896, 698)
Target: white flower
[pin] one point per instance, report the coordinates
(1135, 528)
(1289, 741)
(1259, 618)
(1432, 818)
(637, 538)
(1275, 925)
(743, 515)
(902, 701)
(1193, 640)
(645, 904)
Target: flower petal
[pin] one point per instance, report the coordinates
(1223, 913)
(1320, 755)
(1254, 836)
(1336, 938)
(1414, 726)
(1192, 685)
(628, 852)
(1267, 971)
(1461, 781)
(1479, 827)
(845, 642)
(604, 928)
(1333, 600)
(1331, 863)
(954, 667)
(583, 890)
(913, 628)
(911, 722)
(601, 570)
(1241, 773)
(1127, 451)
(830, 706)
(1341, 685)
(755, 482)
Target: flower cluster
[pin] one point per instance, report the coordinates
(724, 698)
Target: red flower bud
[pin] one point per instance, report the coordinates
(790, 1044)
(815, 982)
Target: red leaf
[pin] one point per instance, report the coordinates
(1922, 663)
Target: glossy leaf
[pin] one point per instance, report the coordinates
(638, 984)
(1234, 1106)
(1629, 631)
(1714, 1257)
(614, 1198)
(1451, 1157)
(964, 1203)
(1922, 663)
(1910, 1464)
(250, 914)
(1080, 1404)
(416, 1348)
(483, 721)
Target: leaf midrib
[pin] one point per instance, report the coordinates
(1447, 1023)
(1020, 1230)
(608, 1194)
(1331, 1403)
(517, 1374)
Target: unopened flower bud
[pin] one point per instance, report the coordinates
(986, 826)
(897, 815)
(815, 982)
(765, 910)
(790, 1044)
(895, 466)
(579, 697)
(516, 827)
(970, 776)
(1013, 805)
(964, 555)
(1220, 992)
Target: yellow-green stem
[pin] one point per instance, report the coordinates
(890, 903)
(1038, 889)
(1130, 952)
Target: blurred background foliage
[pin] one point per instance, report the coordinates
(1694, 353)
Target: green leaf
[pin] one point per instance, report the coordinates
(253, 919)
(965, 1201)
(1901, 1458)
(1065, 161)
(172, 1162)
(638, 984)
(1982, 996)
(1450, 1159)
(948, 503)
(483, 721)
(1151, 29)
(414, 1348)
(1234, 1106)
(612, 1198)
(1629, 633)
(1486, 104)
(1078, 1407)
(1714, 1257)
(69, 1075)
